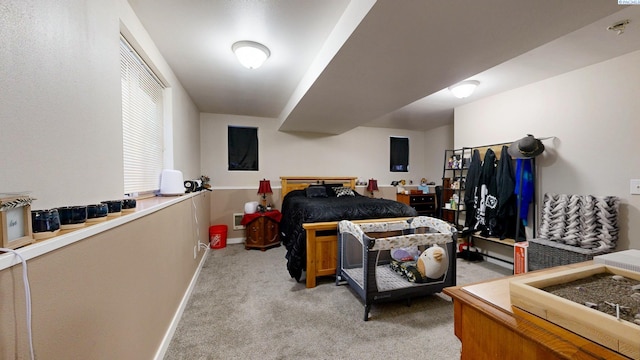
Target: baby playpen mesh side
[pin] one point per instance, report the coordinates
(364, 257)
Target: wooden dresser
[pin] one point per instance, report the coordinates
(490, 328)
(262, 230)
(425, 204)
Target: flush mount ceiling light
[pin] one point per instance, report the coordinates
(464, 89)
(250, 53)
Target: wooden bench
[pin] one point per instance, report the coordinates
(506, 242)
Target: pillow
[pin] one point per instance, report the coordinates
(409, 253)
(343, 191)
(317, 191)
(331, 188)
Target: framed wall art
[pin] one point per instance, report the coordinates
(15, 220)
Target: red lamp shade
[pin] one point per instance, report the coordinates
(372, 186)
(265, 187)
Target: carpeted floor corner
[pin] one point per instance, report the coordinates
(246, 306)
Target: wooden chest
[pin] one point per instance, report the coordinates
(262, 233)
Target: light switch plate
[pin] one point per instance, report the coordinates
(634, 186)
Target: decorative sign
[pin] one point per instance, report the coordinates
(15, 221)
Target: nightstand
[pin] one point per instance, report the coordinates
(262, 229)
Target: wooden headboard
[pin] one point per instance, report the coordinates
(290, 183)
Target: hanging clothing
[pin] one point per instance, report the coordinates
(524, 187)
(506, 183)
(487, 205)
(471, 187)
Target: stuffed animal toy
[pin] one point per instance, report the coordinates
(433, 262)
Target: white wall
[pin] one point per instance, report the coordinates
(361, 152)
(60, 104)
(593, 114)
(436, 141)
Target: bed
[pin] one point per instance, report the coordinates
(309, 223)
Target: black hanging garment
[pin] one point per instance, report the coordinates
(506, 213)
(471, 186)
(487, 205)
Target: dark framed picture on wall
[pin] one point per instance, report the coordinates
(399, 154)
(243, 148)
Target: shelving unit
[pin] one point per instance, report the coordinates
(454, 173)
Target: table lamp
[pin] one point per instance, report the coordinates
(264, 189)
(372, 186)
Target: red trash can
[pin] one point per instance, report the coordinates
(218, 236)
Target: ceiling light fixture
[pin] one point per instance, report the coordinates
(250, 53)
(464, 89)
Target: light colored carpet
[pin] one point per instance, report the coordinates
(246, 306)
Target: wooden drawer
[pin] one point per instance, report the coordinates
(424, 207)
(424, 204)
(425, 198)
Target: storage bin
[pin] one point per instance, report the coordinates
(218, 236)
(544, 254)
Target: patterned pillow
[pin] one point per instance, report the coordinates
(343, 191)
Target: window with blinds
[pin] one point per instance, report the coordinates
(142, 118)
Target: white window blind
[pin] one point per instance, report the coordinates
(142, 119)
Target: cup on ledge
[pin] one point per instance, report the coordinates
(72, 217)
(97, 213)
(115, 207)
(128, 205)
(45, 223)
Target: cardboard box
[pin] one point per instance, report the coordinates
(520, 257)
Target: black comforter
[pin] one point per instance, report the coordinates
(298, 209)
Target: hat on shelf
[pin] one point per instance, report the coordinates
(525, 148)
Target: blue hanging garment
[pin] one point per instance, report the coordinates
(524, 187)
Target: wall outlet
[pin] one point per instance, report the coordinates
(634, 186)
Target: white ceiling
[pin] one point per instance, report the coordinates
(339, 64)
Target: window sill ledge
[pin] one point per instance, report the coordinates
(144, 207)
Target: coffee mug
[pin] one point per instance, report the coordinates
(97, 212)
(128, 205)
(115, 207)
(72, 217)
(45, 223)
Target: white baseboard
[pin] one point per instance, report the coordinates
(164, 345)
(500, 263)
(235, 241)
